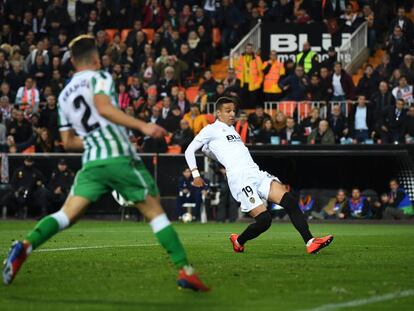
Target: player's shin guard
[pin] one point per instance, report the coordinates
(290, 204)
(263, 222)
(46, 228)
(168, 238)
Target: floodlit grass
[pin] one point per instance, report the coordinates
(129, 272)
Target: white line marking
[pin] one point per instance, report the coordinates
(362, 302)
(90, 247)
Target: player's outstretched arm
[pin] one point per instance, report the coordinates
(113, 114)
(70, 141)
(192, 163)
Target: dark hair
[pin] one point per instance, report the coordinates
(82, 47)
(225, 100)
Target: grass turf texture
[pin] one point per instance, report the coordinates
(274, 273)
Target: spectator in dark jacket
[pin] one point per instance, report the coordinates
(361, 121)
(295, 85)
(331, 60)
(404, 23)
(266, 133)
(392, 123)
(183, 136)
(397, 47)
(368, 83)
(407, 68)
(292, 133)
(257, 118)
(384, 70)
(229, 23)
(209, 83)
(316, 91)
(408, 127)
(20, 129)
(381, 99)
(323, 135)
(338, 123)
(342, 84)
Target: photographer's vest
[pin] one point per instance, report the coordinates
(356, 207)
(307, 63)
(271, 79)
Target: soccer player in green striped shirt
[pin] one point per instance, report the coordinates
(88, 107)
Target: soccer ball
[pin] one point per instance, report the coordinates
(187, 217)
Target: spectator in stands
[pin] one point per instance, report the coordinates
(343, 87)
(316, 92)
(392, 123)
(397, 47)
(44, 142)
(408, 127)
(153, 14)
(382, 99)
(135, 89)
(395, 78)
(361, 121)
(5, 90)
(292, 133)
(16, 77)
(28, 95)
(384, 70)
(172, 122)
(311, 122)
(405, 24)
(350, 21)
(166, 107)
(5, 110)
(369, 17)
(123, 97)
(403, 91)
(295, 85)
(279, 122)
(357, 207)
(184, 192)
(201, 100)
(368, 83)
(273, 70)
(336, 205)
(267, 134)
(326, 81)
(49, 117)
(249, 72)
(20, 128)
(182, 103)
(195, 119)
(399, 205)
(165, 84)
(323, 135)
(182, 136)
(338, 123)
(244, 129)
(3, 131)
(308, 59)
(209, 83)
(407, 68)
(257, 118)
(231, 83)
(220, 92)
(331, 60)
(228, 19)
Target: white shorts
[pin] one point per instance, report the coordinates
(250, 187)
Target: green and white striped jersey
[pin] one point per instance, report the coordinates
(102, 139)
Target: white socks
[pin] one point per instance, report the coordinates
(62, 219)
(160, 222)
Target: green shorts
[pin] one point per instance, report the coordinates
(127, 176)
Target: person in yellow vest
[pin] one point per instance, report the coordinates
(249, 72)
(273, 70)
(308, 59)
(195, 119)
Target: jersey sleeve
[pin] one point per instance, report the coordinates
(63, 121)
(102, 83)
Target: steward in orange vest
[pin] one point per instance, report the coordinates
(273, 69)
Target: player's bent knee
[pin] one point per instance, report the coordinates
(264, 220)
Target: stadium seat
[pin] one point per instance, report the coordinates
(216, 35)
(304, 109)
(124, 34)
(287, 107)
(191, 93)
(110, 33)
(29, 150)
(174, 149)
(150, 34)
(210, 118)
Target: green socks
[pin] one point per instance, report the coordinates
(168, 239)
(46, 228)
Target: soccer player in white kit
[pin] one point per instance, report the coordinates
(248, 184)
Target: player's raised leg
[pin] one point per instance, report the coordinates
(170, 241)
(279, 195)
(43, 231)
(263, 221)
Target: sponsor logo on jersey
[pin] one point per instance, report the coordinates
(233, 138)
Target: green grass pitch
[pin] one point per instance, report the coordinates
(124, 269)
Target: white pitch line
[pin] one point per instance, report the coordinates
(91, 247)
(365, 301)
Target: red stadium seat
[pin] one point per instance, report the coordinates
(210, 118)
(191, 93)
(288, 108)
(124, 34)
(150, 34)
(304, 109)
(174, 149)
(110, 33)
(216, 35)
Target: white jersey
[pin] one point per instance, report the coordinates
(226, 145)
(102, 139)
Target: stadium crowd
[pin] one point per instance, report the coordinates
(157, 51)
